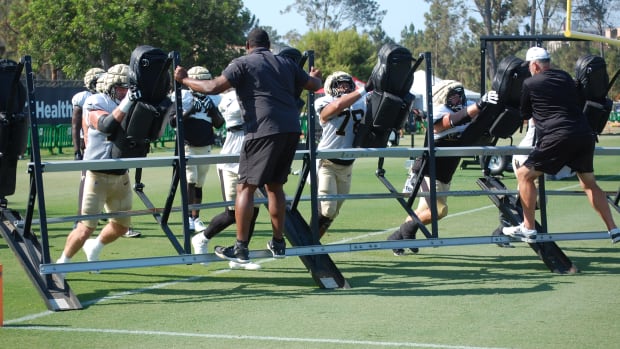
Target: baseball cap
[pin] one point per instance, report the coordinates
(536, 53)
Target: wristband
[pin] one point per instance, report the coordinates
(125, 104)
(362, 91)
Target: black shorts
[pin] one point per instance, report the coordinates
(267, 159)
(445, 166)
(576, 152)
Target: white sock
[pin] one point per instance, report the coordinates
(99, 245)
(63, 259)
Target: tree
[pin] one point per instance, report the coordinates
(8, 42)
(595, 14)
(348, 51)
(499, 18)
(338, 15)
(70, 36)
(443, 34)
(413, 39)
(546, 9)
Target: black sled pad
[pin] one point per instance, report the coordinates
(324, 271)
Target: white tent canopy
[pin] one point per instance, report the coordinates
(418, 89)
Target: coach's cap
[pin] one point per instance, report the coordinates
(536, 53)
(258, 38)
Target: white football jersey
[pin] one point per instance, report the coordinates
(98, 146)
(339, 132)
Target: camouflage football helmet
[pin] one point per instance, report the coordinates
(199, 73)
(333, 83)
(117, 75)
(91, 77)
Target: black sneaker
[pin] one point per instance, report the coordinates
(236, 253)
(277, 248)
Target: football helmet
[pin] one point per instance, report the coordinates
(339, 83)
(199, 73)
(91, 77)
(117, 75)
(99, 88)
(445, 93)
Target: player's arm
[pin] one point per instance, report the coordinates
(76, 127)
(461, 117)
(339, 104)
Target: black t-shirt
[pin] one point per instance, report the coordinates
(550, 98)
(266, 85)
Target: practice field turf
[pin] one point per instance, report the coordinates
(465, 297)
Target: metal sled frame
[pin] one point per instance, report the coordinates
(17, 231)
(304, 237)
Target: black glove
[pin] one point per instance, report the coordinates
(203, 104)
(134, 93)
(207, 103)
(197, 105)
(78, 155)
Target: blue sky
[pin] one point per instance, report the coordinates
(400, 13)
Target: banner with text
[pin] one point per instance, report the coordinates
(53, 101)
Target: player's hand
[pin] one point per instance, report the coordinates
(197, 105)
(207, 103)
(316, 73)
(78, 155)
(179, 74)
(134, 93)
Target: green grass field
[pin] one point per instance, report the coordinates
(464, 297)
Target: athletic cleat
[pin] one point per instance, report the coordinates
(131, 233)
(398, 252)
(397, 236)
(234, 253)
(521, 233)
(199, 227)
(615, 235)
(278, 249)
(247, 266)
